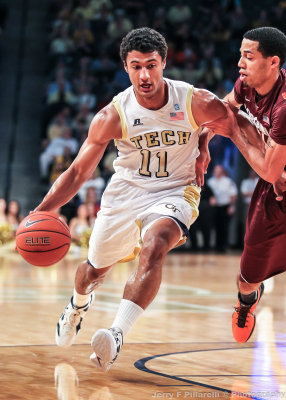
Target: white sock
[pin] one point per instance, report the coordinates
(126, 316)
(80, 300)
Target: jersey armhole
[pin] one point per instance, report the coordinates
(189, 108)
(121, 115)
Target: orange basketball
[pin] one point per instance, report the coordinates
(43, 238)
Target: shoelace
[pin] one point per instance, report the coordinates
(72, 319)
(242, 315)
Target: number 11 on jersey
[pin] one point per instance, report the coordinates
(162, 164)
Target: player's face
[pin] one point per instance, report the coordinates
(254, 69)
(146, 74)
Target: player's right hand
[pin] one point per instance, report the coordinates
(280, 186)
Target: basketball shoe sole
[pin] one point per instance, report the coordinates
(106, 344)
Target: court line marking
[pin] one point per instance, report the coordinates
(277, 344)
(141, 366)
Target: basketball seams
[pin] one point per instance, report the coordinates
(54, 217)
(43, 230)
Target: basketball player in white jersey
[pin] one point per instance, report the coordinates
(152, 198)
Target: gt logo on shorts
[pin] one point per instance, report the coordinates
(172, 207)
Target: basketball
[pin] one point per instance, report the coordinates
(43, 239)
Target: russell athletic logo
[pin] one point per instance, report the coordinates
(29, 223)
(137, 122)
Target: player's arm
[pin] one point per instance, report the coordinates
(267, 160)
(202, 98)
(104, 127)
(206, 135)
(226, 120)
(274, 154)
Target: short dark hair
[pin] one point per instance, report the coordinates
(144, 40)
(272, 42)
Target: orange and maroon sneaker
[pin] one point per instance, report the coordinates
(243, 318)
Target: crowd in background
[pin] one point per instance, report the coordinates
(84, 72)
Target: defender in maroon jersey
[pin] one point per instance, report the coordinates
(261, 88)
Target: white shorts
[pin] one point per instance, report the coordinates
(127, 212)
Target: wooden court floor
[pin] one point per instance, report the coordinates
(181, 348)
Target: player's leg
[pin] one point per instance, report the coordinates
(111, 240)
(263, 255)
(143, 285)
(86, 280)
(140, 290)
(165, 220)
(243, 318)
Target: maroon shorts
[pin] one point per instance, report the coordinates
(264, 253)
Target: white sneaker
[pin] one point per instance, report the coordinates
(70, 323)
(106, 344)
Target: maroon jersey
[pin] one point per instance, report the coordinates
(268, 112)
(264, 252)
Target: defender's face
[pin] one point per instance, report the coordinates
(145, 72)
(254, 69)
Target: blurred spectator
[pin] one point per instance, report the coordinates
(107, 162)
(225, 194)
(210, 73)
(102, 18)
(247, 188)
(56, 127)
(62, 44)
(91, 197)
(7, 230)
(95, 181)
(172, 71)
(91, 213)
(60, 164)
(81, 123)
(84, 10)
(57, 148)
(204, 222)
(142, 19)
(120, 26)
(121, 80)
(59, 75)
(179, 13)
(262, 20)
(14, 216)
(104, 67)
(80, 130)
(82, 73)
(86, 98)
(217, 150)
(79, 224)
(160, 21)
(59, 212)
(3, 216)
(61, 94)
(83, 37)
(97, 5)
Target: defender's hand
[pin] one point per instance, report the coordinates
(280, 186)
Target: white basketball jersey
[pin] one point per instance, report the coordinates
(158, 148)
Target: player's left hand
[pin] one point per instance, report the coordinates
(204, 157)
(202, 163)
